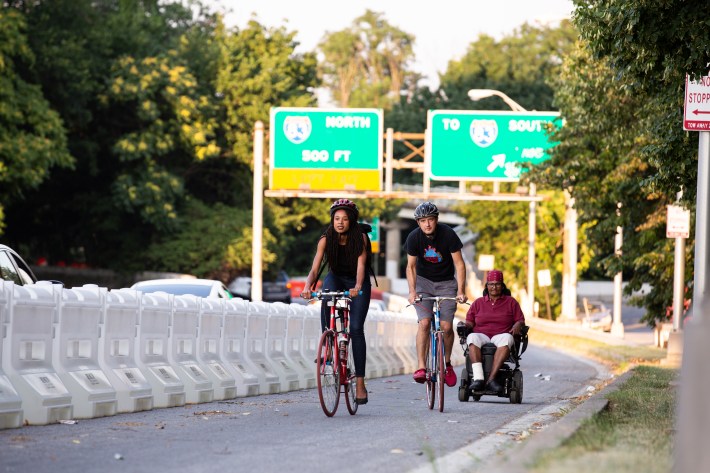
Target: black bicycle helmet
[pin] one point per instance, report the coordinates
(346, 204)
(425, 209)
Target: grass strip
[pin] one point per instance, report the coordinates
(619, 358)
(634, 433)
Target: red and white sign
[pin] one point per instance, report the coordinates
(696, 112)
(678, 222)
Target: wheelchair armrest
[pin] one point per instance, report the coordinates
(521, 341)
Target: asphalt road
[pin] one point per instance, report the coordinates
(276, 433)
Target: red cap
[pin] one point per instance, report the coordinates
(495, 276)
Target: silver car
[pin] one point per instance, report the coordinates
(208, 288)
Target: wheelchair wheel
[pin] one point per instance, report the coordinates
(463, 394)
(516, 387)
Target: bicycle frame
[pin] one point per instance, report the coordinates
(437, 352)
(337, 341)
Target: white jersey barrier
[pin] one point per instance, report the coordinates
(233, 346)
(117, 350)
(27, 353)
(183, 350)
(89, 352)
(152, 347)
(76, 353)
(211, 322)
(10, 401)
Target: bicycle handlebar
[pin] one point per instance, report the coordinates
(420, 298)
(335, 294)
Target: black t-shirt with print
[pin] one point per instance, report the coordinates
(434, 261)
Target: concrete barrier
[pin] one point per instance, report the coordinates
(89, 352)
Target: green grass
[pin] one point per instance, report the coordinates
(635, 432)
(618, 358)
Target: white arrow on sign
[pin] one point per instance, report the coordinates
(498, 162)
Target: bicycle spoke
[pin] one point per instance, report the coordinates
(441, 367)
(350, 386)
(431, 374)
(328, 374)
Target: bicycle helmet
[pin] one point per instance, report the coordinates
(425, 209)
(345, 204)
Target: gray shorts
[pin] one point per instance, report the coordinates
(425, 309)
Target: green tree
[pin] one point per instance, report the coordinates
(259, 70)
(520, 64)
(621, 94)
(32, 135)
(368, 63)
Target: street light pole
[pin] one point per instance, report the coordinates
(478, 94)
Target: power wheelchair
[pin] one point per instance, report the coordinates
(509, 375)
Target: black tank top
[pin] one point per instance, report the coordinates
(341, 266)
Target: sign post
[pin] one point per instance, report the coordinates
(486, 146)
(690, 452)
(325, 149)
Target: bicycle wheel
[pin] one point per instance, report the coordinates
(431, 374)
(350, 391)
(328, 374)
(440, 368)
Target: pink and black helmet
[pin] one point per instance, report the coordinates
(346, 204)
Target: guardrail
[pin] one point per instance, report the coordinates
(89, 352)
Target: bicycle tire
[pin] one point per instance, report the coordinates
(431, 375)
(328, 375)
(440, 368)
(349, 386)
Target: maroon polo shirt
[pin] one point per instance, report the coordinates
(493, 318)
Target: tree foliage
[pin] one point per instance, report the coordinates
(368, 63)
(621, 94)
(520, 65)
(32, 135)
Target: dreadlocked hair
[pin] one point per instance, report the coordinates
(353, 246)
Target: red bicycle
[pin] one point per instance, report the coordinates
(335, 367)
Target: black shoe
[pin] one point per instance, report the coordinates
(494, 386)
(361, 400)
(478, 385)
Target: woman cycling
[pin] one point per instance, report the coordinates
(344, 247)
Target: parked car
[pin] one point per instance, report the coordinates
(596, 315)
(208, 288)
(13, 268)
(297, 284)
(271, 291)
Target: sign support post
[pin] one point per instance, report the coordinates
(690, 450)
(257, 212)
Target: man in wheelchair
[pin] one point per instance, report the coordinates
(496, 323)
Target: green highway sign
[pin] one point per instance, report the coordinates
(375, 234)
(325, 149)
(486, 146)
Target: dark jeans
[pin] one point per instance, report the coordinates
(358, 312)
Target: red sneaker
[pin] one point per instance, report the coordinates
(419, 376)
(450, 376)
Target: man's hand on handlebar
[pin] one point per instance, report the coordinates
(461, 298)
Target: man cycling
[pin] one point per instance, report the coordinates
(433, 258)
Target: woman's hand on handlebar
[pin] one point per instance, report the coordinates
(306, 295)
